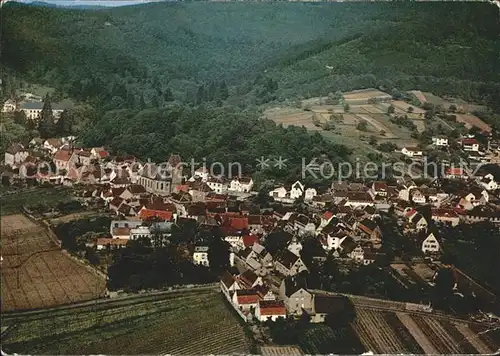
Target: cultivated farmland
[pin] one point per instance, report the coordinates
(13, 200)
(36, 273)
(290, 116)
(362, 96)
(388, 332)
(188, 322)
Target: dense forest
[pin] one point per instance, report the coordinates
(189, 76)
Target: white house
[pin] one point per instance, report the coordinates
(246, 299)
(270, 310)
(440, 141)
(120, 229)
(200, 255)
(430, 244)
(53, 144)
(309, 194)
(9, 106)
(417, 197)
(278, 193)
(334, 242)
(202, 173)
(216, 184)
(419, 222)
(470, 144)
(228, 285)
(289, 264)
(241, 185)
(297, 190)
(412, 152)
(488, 182)
(15, 154)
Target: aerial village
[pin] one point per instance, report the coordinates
(265, 278)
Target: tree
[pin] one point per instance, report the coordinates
(362, 126)
(46, 125)
(200, 95)
(391, 109)
(452, 108)
(20, 118)
(410, 109)
(223, 91)
(373, 140)
(218, 252)
(64, 124)
(316, 120)
(347, 107)
(167, 95)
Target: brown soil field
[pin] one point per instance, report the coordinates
(399, 104)
(419, 95)
(365, 94)
(377, 125)
(372, 109)
(295, 117)
(36, 273)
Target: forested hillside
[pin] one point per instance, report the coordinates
(121, 55)
(228, 58)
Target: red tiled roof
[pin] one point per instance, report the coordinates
(107, 241)
(248, 299)
(103, 154)
(469, 141)
(455, 171)
(444, 212)
(238, 223)
(411, 212)
(272, 307)
(249, 240)
(121, 231)
(182, 188)
(327, 215)
(380, 186)
(62, 155)
(149, 213)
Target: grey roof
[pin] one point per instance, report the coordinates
(38, 105)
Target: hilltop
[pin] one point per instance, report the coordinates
(430, 46)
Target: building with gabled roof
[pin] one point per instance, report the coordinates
(245, 299)
(288, 264)
(270, 310)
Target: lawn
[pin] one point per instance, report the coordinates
(195, 322)
(13, 200)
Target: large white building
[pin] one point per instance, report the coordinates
(33, 109)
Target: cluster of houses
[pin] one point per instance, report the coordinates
(343, 219)
(259, 298)
(470, 145)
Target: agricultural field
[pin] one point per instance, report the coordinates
(36, 273)
(290, 116)
(466, 106)
(13, 200)
(362, 96)
(191, 322)
(390, 332)
(345, 124)
(320, 339)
